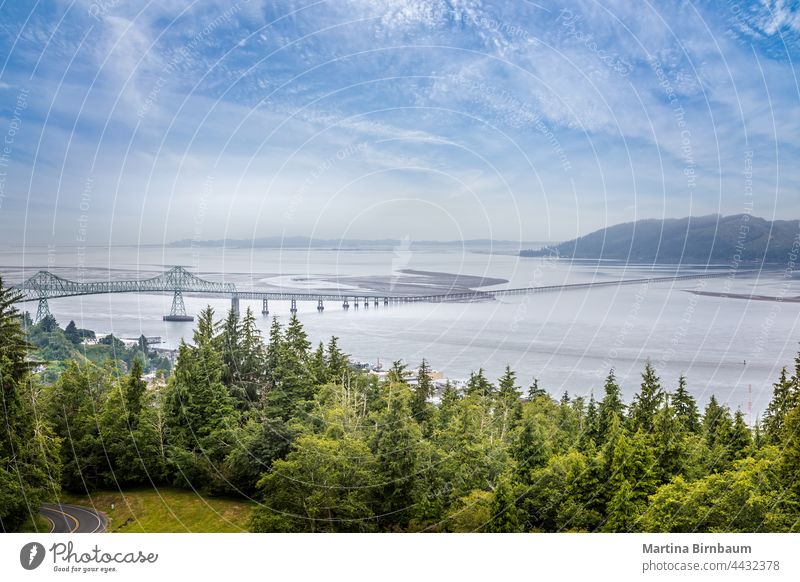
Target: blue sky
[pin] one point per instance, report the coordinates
(129, 122)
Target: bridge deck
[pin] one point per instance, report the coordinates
(45, 285)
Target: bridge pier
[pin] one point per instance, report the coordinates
(43, 310)
(345, 304)
(178, 310)
(366, 302)
(264, 307)
(320, 306)
(376, 302)
(235, 305)
(385, 301)
(355, 302)
(293, 308)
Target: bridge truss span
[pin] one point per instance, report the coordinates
(177, 280)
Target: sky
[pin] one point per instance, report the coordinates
(128, 122)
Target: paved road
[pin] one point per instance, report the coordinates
(73, 518)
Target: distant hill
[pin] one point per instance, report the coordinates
(703, 239)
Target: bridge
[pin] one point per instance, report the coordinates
(45, 285)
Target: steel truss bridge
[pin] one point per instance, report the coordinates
(45, 285)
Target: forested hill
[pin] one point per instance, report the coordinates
(704, 239)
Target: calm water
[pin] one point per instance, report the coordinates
(568, 340)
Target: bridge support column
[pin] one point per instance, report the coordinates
(235, 305)
(376, 302)
(345, 304)
(355, 302)
(43, 310)
(293, 308)
(386, 301)
(264, 307)
(320, 306)
(178, 310)
(366, 302)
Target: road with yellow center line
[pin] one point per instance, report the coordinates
(66, 518)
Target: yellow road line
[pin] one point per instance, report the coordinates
(72, 517)
(52, 523)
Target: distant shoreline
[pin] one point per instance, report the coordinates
(792, 299)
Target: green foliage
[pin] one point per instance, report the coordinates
(686, 407)
(29, 467)
(610, 406)
(329, 449)
(645, 404)
(323, 485)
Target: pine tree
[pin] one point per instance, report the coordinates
(338, 368)
(204, 332)
(29, 451)
(686, 407)
(590, 429)
(507, 517)
(611, 405)
(645, 404)
(668, 443)
(71, 333)
(448, 408)
(134, 392)
(508, 408)
(252, 361)
(783, 395)
(423, 390)
(297, 339)
(478, 384)
(318, 365)
(741, 439)
(396, 447)
(529, 448)
(535, 391)
(231, 352)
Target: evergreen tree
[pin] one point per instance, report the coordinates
(789, 465)
(297, 339)
(507, 517)
(508, 408)
(29, 466)
(48, 324)
(423, 390)
(231, 352)
(783, 397)
(535, 391)
(718, 429)
(448, 408)
(73, 409)
(478, 384)
(611, 405)
(337, 361)
(318, 365)
(199, 411)
(396, 448)
(134, 392)
(686, 407)
(71, 333)
(741, 438)
(668, 443)
(530, 448)
(590, 430)
(646, 403)
(397, 373)
(252, 377)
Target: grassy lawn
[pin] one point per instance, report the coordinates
(167, 510)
